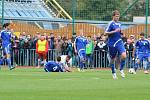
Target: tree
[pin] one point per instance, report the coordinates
(102, 9)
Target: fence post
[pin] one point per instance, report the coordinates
(73, 15)
(2, 12)
(146, 22)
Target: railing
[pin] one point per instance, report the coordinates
(99, 59)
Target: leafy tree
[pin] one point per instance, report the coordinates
(102, 9)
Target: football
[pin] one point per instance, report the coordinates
(132, 71)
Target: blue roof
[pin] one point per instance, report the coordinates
(24, 10)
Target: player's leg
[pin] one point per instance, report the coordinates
(145, 63)
(45, 69)
(148, 62)
(122, 64)
(149, 58)
(44, 56)
(39, 59)
(1, 61)
(122, 51)
(82, 59)
(112, 54)
(137, 62)
(8, 57)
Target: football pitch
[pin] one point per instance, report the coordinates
(34, 84)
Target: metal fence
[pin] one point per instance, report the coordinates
(101, 10)
(99, 59)
(92, 15)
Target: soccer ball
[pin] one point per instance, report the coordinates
(132, 71)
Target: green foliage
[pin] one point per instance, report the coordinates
(102, 9)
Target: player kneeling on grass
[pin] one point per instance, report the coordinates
(66, 60)
(52, 66)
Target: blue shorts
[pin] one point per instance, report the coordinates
(118, 48)
(142, 56)
(82, 54)
(6, 49)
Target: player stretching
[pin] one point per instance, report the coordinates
(79, 47)
(115, 43)
(6, 36)
(52, 66)
(142, 47)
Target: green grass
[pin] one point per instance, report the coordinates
(34, 84)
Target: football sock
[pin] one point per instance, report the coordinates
(122, 64)
(9, 62)
(112, 68)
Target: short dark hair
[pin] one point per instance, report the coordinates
(142, 34)
(115, 12)
(122, 33)
(68, 56)
(58, 58)
(89, 36)
(5, 25)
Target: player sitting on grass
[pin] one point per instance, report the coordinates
(52, 66)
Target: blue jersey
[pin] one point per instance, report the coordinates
(52, 66)
(6, 38)
(80, 43)
(142, 46)
(113, 38)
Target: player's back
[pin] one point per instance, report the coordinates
(142, 46)
(5, 36)
(80, 42)
(112, 38)
(52, 66)
(63, 60)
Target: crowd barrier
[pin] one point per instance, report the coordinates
(99, 59)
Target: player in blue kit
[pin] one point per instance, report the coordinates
(115, 43)
(52, 66)
(6, 37)
(142, 48)
(80, 49)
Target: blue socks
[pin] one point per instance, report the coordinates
(145, 64)
(136, 66)
(122, 64)
(9, 62)
(81, 65)
(113, 69)
(112, 65)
